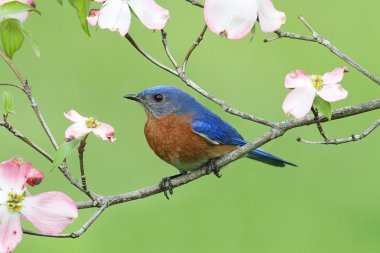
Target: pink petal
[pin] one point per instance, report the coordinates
(334, 76)
(10, 230)
(299, 101)
(296, 79)
(13, 176)
(150, 13)
(74, 116)
(75, 131)
(105, 132)
(50, 212)
(92, 18)
(332, 92)
(232, 19)
(270, 19)
(115, 16)
(35, 177)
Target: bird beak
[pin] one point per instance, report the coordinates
(134, 97)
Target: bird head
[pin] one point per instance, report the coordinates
(164, 100)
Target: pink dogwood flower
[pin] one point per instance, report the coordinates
(83, 126)
(50, 212)
(115, 15)
(19, 16)
(305, 87)
(233, 19)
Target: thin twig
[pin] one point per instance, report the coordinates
(28, 91)
(12, 85)
(77, 233)
(321, 40)
(195, 44)
(319, 125)
(167, 50)
(196, 3)
(17, 133)
(150, 58)
(81, 150)
(352, 138)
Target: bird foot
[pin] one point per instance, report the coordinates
(166, 185)
(211, 167)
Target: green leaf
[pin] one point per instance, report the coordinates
(60, 2)
(15, 7)
(12, 36)
(8, 103)
(322, 106)
(64, 151)
(31, 42)
(82, 8)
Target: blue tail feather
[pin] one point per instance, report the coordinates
(262, 156)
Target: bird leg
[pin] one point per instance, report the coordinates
(167, 186)
(211, 167)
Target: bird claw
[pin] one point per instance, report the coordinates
(211, 167)
(166, 186)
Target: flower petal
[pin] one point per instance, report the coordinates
(10, 230)
(105, 132)
(92, 18)
(19, 16)
(13, 176)
(150, 13)
(231, 19)
(115, 16)
(50, 212)
(75, 131)
(298, 102)
(296, 79)
(332, 92)
(270, 19)
(34, 177)
(74, 116)
(334, 76)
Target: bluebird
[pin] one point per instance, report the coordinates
(185, 134)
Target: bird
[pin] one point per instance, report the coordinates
(184, 133)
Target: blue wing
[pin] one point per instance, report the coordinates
(217, 130)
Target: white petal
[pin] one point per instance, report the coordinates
(298, 102)
(116, 16)
(332, 92)
(13, 176)
(76, 131)
(150, 13)
(270, 19)
(50, 212)
(334, 76)
(231, 19)
(74, 116)
(10, 231)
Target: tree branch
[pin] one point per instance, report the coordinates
(324, 42)
(12, 85)
(196, 3)
(191, 50)
(352, 138)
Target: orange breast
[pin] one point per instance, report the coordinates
(173, 140)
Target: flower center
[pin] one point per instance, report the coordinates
(92, 123)
(317, 82)
(14, 201)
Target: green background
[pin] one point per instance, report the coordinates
(330, 203)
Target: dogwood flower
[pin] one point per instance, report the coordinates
(305, 87)
(19, 16)
(83, 126)
(115, 15)
(235, 19)
(50, 212)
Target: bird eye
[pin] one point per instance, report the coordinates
(158, 97)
